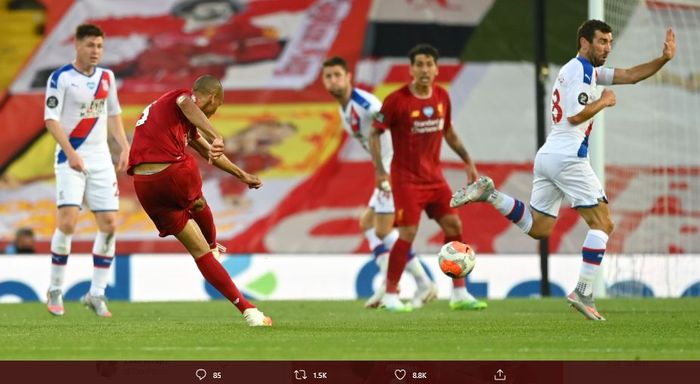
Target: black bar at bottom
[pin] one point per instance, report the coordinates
(365, 372)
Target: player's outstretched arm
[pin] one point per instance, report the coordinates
(200, 120)
(222, 162)
(116, 128)
(642, 71)
(375, 149)
(74, 160)
(456, 144)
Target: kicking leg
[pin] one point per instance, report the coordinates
(193, 239)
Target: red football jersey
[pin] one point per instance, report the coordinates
(416, 126)
(162, 132)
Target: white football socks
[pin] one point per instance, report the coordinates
(372, 239)
(592, 255)
(102, 255)
(60, 249)
(415, 268)
(461, 294)
(513, 209)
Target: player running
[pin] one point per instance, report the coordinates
(562, 166)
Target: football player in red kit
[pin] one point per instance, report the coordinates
(418, 115)
(168, 184)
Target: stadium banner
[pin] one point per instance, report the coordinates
(157, 46)
(309, 207)
(174, 277)
(396, 25)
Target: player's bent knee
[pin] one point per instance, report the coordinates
(538, 235)
(452, 227)
(607, 226)
(453, 230)
(540, 231)
(364, 224)
(67, 227)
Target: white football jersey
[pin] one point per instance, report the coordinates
(357, 117)
(81, 103)
(574, 88)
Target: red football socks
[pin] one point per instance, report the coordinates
(217, 276)
(205, 220)
(397, 262)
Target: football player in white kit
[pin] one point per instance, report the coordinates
(562, 168)
(81, 106)
(357, 109)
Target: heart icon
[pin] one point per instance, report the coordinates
(400, 373)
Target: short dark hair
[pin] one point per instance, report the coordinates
(336, 60)
(588, 28)
(24, 231)
(423, 49)
(207, 84)
(85, 30)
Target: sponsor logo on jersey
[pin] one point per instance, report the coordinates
(427, 126)
(92, 109)
(428, 111)
(91, 84)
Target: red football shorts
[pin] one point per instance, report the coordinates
(168, 195)
(411, 200)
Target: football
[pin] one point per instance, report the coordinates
(456, 259)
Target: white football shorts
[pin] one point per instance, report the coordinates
(97, 186)
(557, 176)
(381, 201)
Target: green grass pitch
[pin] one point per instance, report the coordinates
(513, 329)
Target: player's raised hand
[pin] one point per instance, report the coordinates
(608, 98)
(253, 181)
(669, 45)
(76, 162)
(216, 149)
(123, 161)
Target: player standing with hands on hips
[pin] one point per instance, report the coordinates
(562, 167)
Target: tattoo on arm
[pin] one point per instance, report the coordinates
(459, 149)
